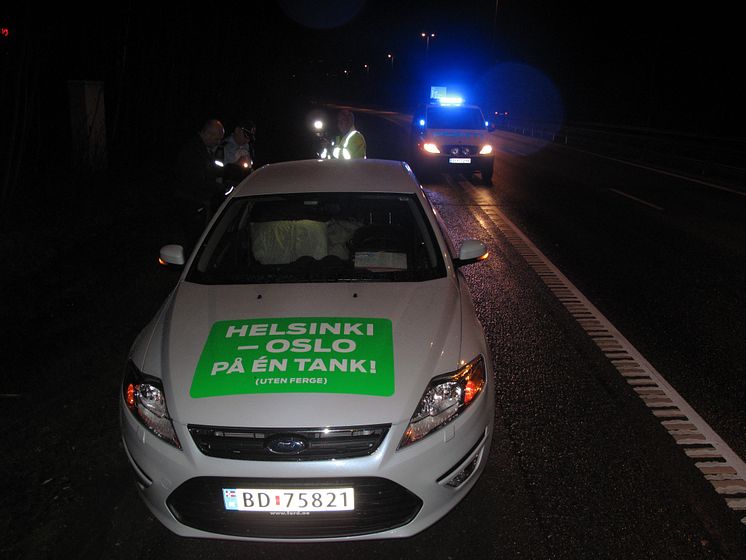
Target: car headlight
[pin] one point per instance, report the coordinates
(430, 148)
(486, 150)
(146, 400)
(444, 399)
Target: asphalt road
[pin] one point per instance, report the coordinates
(580, 466)
(660, 254)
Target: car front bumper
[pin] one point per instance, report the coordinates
(403, 492)
(453, 164)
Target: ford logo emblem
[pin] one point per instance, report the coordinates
(287, 444)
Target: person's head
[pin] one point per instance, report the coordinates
(244, 133)
(212, 133)
(345, 121)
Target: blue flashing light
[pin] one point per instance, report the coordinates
(422, 122)
(451, 100)
(486, 123)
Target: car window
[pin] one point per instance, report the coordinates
(319, 237)
(469, 118)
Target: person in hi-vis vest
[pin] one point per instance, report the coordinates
(350, 144)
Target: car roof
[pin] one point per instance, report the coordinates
(330, 175)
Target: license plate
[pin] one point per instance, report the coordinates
(289, 500)
(459, 160)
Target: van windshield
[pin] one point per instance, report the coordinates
(469, 118)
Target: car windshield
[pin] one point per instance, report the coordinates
(319, 237)
(469, 118)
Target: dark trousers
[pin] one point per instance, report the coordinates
(192, 218)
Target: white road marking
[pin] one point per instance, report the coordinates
(641, 201)
(634, 164)
(663, 172)
(688, 429)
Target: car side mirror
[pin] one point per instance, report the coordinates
(172, 254)
(471, 251)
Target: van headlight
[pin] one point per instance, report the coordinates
(444, 399)
(146, 400)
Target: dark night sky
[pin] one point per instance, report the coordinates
(664, 64)
(673, 66)
(648, 61)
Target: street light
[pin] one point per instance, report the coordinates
(427, 36)
(391, 58)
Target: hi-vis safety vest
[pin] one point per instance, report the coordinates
(351, 146)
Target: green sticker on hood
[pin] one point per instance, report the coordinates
(297, 355)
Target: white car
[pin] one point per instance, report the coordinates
(448, 135)
(318, 372)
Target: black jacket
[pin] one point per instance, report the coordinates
(195, 174)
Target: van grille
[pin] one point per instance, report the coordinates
(461, 150)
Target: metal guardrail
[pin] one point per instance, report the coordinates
(716, 159)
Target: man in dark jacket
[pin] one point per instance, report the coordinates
(197, 179)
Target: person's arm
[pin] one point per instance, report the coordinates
(196, 172)
(229, 153)
(357, 147)
(188, 170)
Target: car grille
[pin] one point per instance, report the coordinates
(380, 505)
(460, 150)
(288, 444)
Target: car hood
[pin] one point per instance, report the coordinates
(449, 136)
(251, 356)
